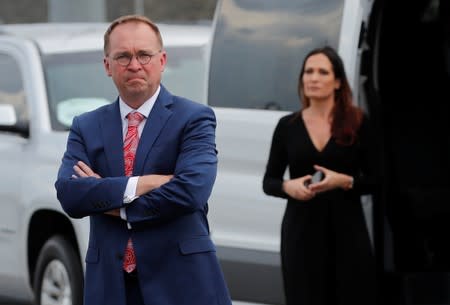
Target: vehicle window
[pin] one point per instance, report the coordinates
(185, 72)
(259, 46)
(11, 86)
(77, 82)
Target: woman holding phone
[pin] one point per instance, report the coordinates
(325, 246)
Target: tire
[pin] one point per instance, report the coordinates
(58, 279)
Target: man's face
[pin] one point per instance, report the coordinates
(136, 82)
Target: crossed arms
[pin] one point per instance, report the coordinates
(145, 183)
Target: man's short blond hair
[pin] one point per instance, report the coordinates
(130, 18)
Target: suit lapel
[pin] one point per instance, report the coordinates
(155, 123)
(111, 130)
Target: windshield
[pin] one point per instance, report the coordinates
(77, 82)
(259, 46)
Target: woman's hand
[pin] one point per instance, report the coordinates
(332, 180)
(296, 188)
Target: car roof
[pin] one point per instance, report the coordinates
(69, 37)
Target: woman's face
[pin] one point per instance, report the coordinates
(319, 81)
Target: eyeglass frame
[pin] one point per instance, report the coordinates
(122, 56)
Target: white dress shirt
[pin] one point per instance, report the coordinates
(130, 191)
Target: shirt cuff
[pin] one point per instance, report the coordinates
(130, 190)
(129, 196)
(123, 215)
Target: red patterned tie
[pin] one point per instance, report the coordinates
(129, 151)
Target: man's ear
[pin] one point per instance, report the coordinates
(163, 60)
(107, 66)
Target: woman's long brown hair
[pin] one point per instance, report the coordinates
(346, 117)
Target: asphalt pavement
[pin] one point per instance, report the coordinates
(9, 302)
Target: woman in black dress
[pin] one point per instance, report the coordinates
(325, 246)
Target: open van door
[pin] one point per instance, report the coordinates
(407, 75)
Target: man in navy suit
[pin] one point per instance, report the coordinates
(161, 207)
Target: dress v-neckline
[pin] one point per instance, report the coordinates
(311, 140)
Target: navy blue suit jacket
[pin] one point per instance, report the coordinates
(176, 258)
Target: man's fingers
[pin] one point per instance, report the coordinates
(85, 168)
(115, 212)
(79, 171)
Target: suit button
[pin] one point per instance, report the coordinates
(120, 255)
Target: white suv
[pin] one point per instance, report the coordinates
(51, 72)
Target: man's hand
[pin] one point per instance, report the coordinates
(148, 183)
(115, 212)
(83, 170)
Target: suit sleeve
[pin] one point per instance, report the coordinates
(195, 173)
(80, 197)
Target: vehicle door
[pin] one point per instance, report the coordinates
(12, 147)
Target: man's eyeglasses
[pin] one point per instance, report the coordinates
(142, 58)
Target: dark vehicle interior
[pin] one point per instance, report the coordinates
(408, 74)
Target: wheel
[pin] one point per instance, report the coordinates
(58, 279)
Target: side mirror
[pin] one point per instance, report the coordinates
(7, 115)
(9, 122)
